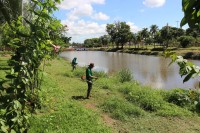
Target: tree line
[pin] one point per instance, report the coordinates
(119, 34)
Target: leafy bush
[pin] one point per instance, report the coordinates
(179, 97)
(146, 98)
(124, 75)
(186, 40)
(121, 109)
(185, 98)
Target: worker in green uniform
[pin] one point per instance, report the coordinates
(89, 78)
(74, 63)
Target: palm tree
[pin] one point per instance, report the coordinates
(144, 34)
(139, 38)
(153, 30)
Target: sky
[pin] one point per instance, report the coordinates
(88, 18)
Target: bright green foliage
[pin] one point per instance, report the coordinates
(191, 9)
(187, 69)
(31, 41)
(124, 75)
(185, 98)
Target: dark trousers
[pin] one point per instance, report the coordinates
(73, 67)
(89, 88)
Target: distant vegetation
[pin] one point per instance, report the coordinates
(119, 34)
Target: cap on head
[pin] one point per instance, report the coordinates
(91, 65)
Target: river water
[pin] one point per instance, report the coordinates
(148, 70)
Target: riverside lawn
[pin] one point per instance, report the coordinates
(113, 107)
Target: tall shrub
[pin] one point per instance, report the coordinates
(186, 40)
(31, 38)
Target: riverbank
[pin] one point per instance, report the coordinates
(187, 53)
(114, 106)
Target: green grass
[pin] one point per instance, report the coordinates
(113, 107)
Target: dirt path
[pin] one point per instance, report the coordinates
(110, 122)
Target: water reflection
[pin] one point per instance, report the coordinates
(148, 70)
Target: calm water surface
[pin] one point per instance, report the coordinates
(148, 70)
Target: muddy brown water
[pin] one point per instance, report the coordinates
(148, 70)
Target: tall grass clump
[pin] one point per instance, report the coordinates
(169, 109)
(128, 87)
(124, 75)
(121, 109)
(104, 83)
(79, 72)
(146, 98)
(100, 74)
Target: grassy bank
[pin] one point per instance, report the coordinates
(115, 106)
(187, 53)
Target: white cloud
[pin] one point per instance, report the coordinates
(154, 3)
(81, 29)
(70, 4)
(76, 13)
(100, 16)
(133, 27)
(80, 8)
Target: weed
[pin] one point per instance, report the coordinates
(124, 75)
(121, 109)
(169, 109)
(146, 98)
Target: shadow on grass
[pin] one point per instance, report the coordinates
(79, 97)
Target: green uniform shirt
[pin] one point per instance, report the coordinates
(74, 61)
(88, 73)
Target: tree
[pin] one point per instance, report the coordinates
(134, 39)
(153, 30)
(111, 30)
(32, 44)
(130, 38)
(104, 40)
(139, 38)
(166, 34)
(144, 34)
(119, 33)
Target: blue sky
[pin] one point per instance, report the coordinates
(88, 18)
